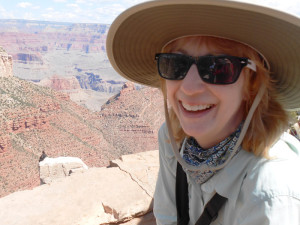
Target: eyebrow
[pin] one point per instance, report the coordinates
(182, 51)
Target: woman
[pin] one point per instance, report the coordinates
(230, 73)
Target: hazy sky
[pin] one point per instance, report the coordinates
(95, 11)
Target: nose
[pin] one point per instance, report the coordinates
(192, 83)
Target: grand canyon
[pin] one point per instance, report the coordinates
(60, 95)
(64, 56)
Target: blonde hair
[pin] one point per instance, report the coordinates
(269, 119)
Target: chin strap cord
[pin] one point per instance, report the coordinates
(205, 167)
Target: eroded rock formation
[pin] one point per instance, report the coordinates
(134, 117)
(35, 119)
(63, 56)
(6, 69)
(48, 48)
(59, 83)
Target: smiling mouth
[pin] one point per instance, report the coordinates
(195, 108)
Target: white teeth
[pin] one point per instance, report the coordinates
(195, 107)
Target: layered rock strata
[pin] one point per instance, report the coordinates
(63, 56)
(48, 48)
(131, 119)
(34, 119)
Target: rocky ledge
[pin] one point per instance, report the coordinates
(119, 194)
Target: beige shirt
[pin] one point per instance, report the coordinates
(259, 191)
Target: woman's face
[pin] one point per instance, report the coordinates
(208, 112)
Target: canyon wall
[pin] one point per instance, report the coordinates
(135, 116)
(34, 119)
(64, 56)
(49, 48)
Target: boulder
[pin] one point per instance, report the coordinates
(55, 168)
(142, 167)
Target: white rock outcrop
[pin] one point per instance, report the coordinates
(54, 168)
(6, 69)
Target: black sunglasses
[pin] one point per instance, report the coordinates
(223, 69)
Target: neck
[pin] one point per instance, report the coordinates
(209, 142)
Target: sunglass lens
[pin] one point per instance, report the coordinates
(219, 70)
(173, 66)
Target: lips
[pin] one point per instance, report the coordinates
(195, 108)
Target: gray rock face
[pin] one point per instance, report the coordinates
(96, 83)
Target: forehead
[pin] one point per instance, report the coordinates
(196, 49)
(200, 45)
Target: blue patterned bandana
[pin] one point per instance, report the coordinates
(194, 155)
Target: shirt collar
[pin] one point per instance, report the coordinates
(228, 181)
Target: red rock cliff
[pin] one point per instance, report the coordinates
(35, 119)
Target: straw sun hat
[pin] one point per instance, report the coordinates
(141, 31)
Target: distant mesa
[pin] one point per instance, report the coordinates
(60, 83)
(88, 90)
(28, 58)
(95, 82)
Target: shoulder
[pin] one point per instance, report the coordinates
(165, 147)
(278, 176)
(166, 154)
(271, 188)
(273, 178)
(163, 131)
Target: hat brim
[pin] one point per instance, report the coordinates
(141, 31)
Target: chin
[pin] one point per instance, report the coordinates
(196, 131)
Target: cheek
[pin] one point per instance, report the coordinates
(171, 91)
(238, 90)
(233, 97)
(171, 87)
(238, 97)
